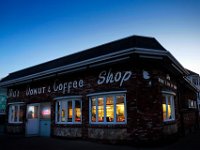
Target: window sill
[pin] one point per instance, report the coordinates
(66, 123)
(107, 125)
(168, 122)
(15, 122)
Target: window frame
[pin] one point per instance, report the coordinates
(192, 104)
(113, 94)
(172, 101)
(18, 104)
(67, 99)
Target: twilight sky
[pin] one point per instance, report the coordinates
(36, 31)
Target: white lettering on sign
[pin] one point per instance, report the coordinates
(13, 93)
(35, 91)
(110, 77)
(105, 77)
(67, 86)
(167, 83)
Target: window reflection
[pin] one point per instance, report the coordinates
(32, 112)
(70, 109)
(16, 113)
(63, 111)
(45, 110)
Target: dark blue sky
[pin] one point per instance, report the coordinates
(35, 31)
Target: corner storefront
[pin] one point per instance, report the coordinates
(127, 90)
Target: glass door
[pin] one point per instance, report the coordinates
(32, 125)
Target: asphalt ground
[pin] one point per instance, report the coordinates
(188, 142)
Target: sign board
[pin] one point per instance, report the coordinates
(104, 77)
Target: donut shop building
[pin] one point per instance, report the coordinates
(131, 89)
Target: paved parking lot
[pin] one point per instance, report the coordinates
(190, 142)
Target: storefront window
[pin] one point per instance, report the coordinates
(32, 112)
(108, 108)
(93, 119)
(168, 107)
(63, 111)
(45, 110)
(58, 103)
(120, 109)
(21, 114)
(68, 111)
(77, 111)
(100, 109)
(16, 113)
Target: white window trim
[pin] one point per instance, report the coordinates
(171, 94)
(68, 98)
(104, 94)
(194, 104)
(18, 104)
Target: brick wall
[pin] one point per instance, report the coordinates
(144, 104)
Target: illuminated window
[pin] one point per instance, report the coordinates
(108, 108)
(45, 111)
(16, 113)
(93, 116)
(120, 108)
(77, 111)
(32, 112)
(68, 110)
(168, 106)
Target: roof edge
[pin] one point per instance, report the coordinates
(97, 60)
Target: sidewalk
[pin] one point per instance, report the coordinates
(189, 142)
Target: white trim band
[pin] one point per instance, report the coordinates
(15, 103)
(106, 93)
(68, 97)
(168, 92)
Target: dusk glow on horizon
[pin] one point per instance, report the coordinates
(37, 31)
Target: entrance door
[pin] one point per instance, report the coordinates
(32, 125)
(45, 119)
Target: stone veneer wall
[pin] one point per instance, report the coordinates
(107, 134)
(15, 129)
(67, 132)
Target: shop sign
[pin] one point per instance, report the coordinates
(167, 83)
(104, 77)
(63, 86)
(110, 77)
(67, 86)
(13, 93)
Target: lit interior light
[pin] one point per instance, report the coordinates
(46, 112)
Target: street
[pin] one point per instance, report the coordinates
(190, 141)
